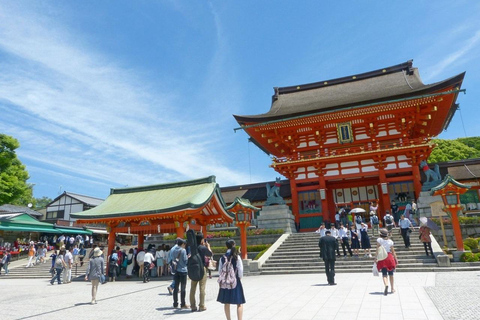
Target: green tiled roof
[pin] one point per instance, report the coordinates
(153, 199)
(244, 203)
(24, 222)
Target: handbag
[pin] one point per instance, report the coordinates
(212, 265)
(381, 253)
(375, 270)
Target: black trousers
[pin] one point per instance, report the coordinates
(428, 245)
(406, 236)
(345, 243)
(330, 270)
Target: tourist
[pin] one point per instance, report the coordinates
(180, 277)
(344, 235)
(5, 261)
(235, 295)
(337, 220)
(95, 272)
(68, 258)
(389, 222)
(414, 212)
(147, 264)
(365, 240)
(90, 254)
(321, 230)
(405, 229)
(388, 265)
(334, 233)
(59, 266)
(374, 221)
(328, 245)
(407, 211)
(140, 262)
(160, 257)
(373, 208)
(130, 263)
(394, 208)
(42, 253)
(204, 250)
(31, 255)
(355, 240)
(75, 254)
(82, 253)
(112, 266)
(425, 238)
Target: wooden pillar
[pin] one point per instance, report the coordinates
(293, 189)
(417, 178)
(384, 197)
(141, 239)
(325, 209)
(243, 238)
(111, 244)
(180, 231)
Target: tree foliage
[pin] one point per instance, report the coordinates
(42, 202)
(14, 188)
(458, 149)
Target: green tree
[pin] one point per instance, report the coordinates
(42, 202)
(449, 150)
(14, 188)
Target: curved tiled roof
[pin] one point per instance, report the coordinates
(396, 82)
(154, 199)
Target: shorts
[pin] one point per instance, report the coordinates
(385, 272)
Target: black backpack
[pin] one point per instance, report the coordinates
(374, 219)
(195, 265)
(388, 220)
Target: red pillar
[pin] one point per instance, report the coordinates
(325, 209)
(384, 198)
(111, 244)
(293, 188)
(417, 185)
(243, 238)
(457, 232)
(141, 239)
(180, 231)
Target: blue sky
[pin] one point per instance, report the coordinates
(106, 94)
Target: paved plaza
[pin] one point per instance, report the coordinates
(452, 295)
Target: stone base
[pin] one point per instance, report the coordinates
(443, 260)
(457, 255)
(424, 201)
(276, 217)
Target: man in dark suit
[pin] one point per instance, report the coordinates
(328, 245)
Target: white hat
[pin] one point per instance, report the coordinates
(97, 252)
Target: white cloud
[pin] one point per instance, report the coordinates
(92, 117)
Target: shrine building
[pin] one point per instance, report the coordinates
(353, 140)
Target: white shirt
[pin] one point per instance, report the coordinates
(337, 216)
(385, 218)
(141, 257)
(148, 257)
(334, 233)
(387, 244)
(68, 258)
(343, 232)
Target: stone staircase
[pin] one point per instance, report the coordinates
(299, 254)
(17, 270)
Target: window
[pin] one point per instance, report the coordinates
(309, 202)
(55, 214)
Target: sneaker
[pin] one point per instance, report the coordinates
(202, 309)
(194, 309)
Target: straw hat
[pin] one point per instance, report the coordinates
(383, 233)
(97, 252)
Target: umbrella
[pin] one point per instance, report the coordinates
(428, 223)
(357, 210)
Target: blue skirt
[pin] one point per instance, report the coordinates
(232, 296)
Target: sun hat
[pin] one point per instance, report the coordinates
(383, 233)
(97, 252)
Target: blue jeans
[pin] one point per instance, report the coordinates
(58, 272)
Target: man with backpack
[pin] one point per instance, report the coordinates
(203, 249)
(389, 222)
(375, 222)
(179, 254)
